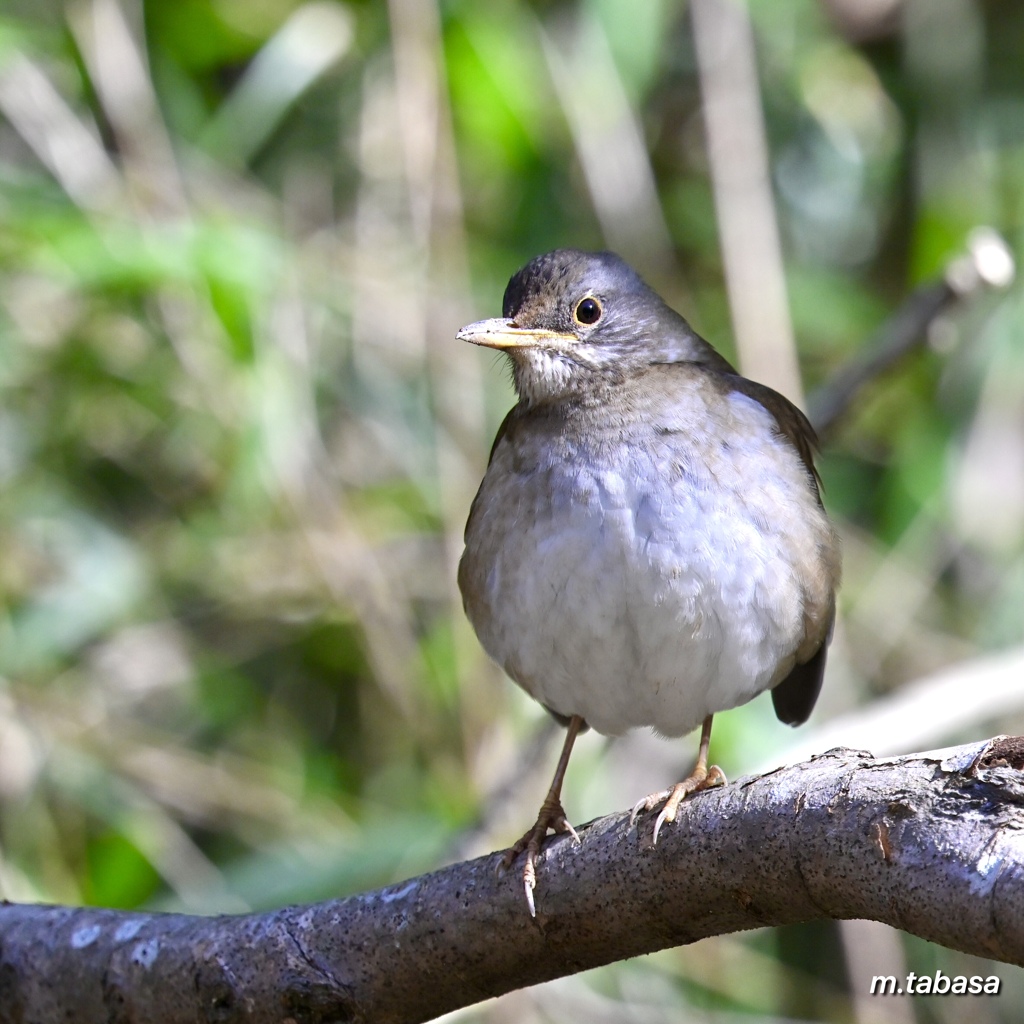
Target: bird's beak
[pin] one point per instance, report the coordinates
(503, 334)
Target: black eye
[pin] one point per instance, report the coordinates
(588, 311)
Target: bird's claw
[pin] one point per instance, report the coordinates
(702, 778)
(530, 882)
(550, 817)
(668, 813)
(648, 804)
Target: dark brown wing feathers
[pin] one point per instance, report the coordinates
(792, 423)
(794, 698)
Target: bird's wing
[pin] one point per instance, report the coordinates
(502, 431)
(791, 422)
(794, 698)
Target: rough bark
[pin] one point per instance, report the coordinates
(932, 843)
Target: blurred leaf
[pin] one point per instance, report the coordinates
(119, 875)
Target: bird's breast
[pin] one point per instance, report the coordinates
(639, 573)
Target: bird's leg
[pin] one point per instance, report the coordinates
(702, 777)
(551, 816)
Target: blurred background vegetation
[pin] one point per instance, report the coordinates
(238, 440)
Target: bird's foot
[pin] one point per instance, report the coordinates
(552, 816)
(702, 778)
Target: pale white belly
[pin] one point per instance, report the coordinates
(603, 600)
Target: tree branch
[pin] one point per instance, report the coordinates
(932, 843)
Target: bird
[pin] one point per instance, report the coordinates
(648, 545)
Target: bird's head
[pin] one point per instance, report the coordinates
(575, 319)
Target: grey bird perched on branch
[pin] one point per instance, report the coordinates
(648, 546)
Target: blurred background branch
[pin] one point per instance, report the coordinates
(987, 263)
(238, 441)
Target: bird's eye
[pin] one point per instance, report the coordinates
(588, 311)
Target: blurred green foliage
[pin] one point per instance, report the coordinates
(238, 440)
